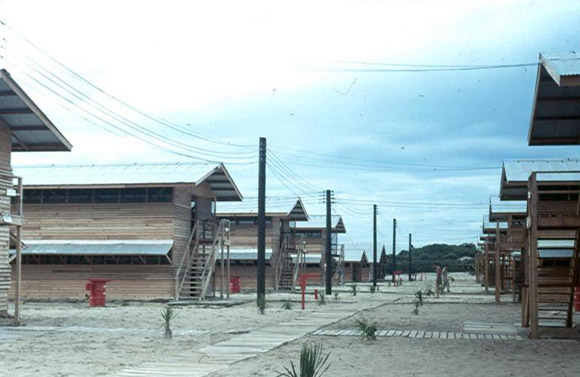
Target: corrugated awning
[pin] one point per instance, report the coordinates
(249, 254)
(31, 129)
(105, 247)
(555, 253)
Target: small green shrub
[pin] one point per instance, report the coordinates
(287, 305)
(313, 363)
(353, 287)
(168, 314)
(335, 296)
(321, 298)
(419, 297)
(367, 329)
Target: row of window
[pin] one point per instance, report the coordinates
(126, 195)
(247, 220)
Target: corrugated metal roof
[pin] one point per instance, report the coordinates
(274, 206)
(353, 254)
(217, 177)
(310, 258)
(244, 254)
(555, 112)
(492, 226)
(558, 177)
(520, 170)
(104, 247)
(319, 222)
(499, 210)
(31, 129)
(561, 64)
(555, 253)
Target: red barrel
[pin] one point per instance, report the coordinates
(235, 286)
(577, 299)
(97, 291)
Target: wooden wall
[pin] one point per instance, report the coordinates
(55, 282)
(5, 183)
(102, 221)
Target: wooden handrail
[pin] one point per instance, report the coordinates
(209, 263)
(179, 281)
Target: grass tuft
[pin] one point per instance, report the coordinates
(367, 329)
(313, 363)
(168, 314)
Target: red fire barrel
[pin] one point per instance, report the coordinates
(97, 291)
(577, 299)
(235, 286)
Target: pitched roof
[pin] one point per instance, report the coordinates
(556, 114)
(31, 129)
(107, 175)
(515, 174)
(319, 222)
(295, 211)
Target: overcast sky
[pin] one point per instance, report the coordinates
(310, 77)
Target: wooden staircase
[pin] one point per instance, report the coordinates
(555, 293)
(197, 266)
(285, 263)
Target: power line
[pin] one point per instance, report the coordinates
(419, 70)
(79, 77)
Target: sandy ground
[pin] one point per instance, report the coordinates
(63, 339)
(48, 346)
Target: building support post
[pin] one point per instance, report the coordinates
(394, 249)
(375, 262)
(261, 288)
(328, 249)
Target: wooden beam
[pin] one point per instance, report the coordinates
(533, 260)
(16, 111)
(563, 222)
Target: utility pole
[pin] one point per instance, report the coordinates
(328, 250)
(394, 248)
(262, 221)
(375, 246)
(410, 258)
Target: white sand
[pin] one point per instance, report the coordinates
(78, 348)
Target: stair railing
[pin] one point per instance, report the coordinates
(209, 263)
(187, 258)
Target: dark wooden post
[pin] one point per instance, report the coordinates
(375, 264)
(262, 220)
(328, 249)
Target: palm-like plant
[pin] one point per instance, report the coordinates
(168, 314)
(353, 287)
(367, 329)
(313, 363)
(287, 305)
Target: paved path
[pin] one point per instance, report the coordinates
(419, 334)
(221, 355)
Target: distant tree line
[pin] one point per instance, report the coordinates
(424, 258)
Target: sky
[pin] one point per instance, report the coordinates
(316, 79)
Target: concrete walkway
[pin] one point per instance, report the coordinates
(221, 355)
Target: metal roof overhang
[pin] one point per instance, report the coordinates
(222, 185)
(501, 212)
(32, 131)
(298, 212)
(556, 108)
(104, 247)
